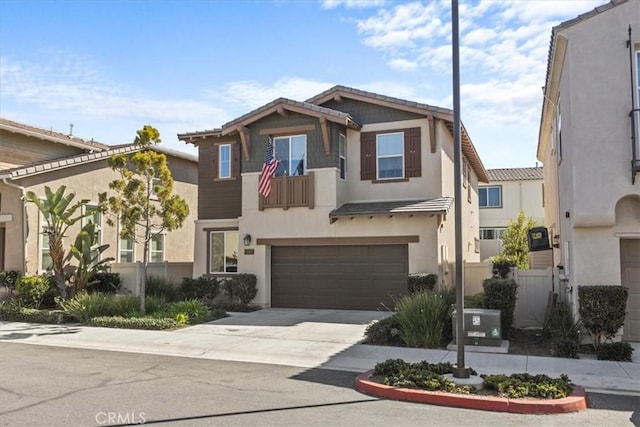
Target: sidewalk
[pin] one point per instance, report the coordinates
(244, 344)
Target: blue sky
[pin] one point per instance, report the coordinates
(110, 67)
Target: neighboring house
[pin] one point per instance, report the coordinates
(35, 158)
(363, 196)
(509, 191)
(589, 144)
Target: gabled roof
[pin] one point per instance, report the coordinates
(445, 114)
(50, 135)
(49, 166)
(440, 205)
(515, 174)
(280, 104)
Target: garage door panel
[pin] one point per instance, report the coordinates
(630, 273)
(341, 277)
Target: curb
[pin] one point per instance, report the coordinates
(574, 403)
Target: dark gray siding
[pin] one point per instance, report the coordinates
(366, 113)
(216, 199)
(316, 156)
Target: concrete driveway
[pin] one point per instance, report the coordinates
(323, 326)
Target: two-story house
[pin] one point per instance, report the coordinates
(32, 158)
(589, 144)
(362, 197)
(509, 192)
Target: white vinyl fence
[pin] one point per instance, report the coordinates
(534, 287)
(131, 273)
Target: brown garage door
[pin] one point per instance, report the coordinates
(339, 277)
(630, 268)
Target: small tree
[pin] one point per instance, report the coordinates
(514, 241)
(142, 199)
(58, 213)
(602, 310)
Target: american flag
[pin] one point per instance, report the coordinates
(268, 170)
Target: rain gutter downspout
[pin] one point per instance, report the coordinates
(24, 220)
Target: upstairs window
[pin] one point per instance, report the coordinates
(224, 155)
(291, 152)
(490, 197)
(125, 251)
(342, 150)
(390, 155)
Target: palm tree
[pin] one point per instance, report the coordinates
(57, 212)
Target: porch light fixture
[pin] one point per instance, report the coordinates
(247, 239)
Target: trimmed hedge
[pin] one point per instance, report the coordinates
(421, 282)
(32, 315)
(147, 322)
(500, 294)
(106, 283)
(517, 386)
(203, 288)
(384, 332)
(241, 288)
(421, 375)
(618, 351)
(602, 310)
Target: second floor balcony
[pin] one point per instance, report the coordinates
(289, 191)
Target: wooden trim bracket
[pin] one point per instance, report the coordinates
(245, 139)
(325, 135)
(287, 130)
(432, 132)
(337, 241)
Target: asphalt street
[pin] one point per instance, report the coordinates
(51, 386)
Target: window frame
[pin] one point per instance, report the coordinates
(342, 159)
(282, 170)
(120, 250)
(224, 161)
(225, 232)
(386, 156)
(161, 251)
(498, 233)
(487, 188)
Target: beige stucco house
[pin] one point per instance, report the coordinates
(363, 196)
(509, 191)
(588, 143)
(32, 158)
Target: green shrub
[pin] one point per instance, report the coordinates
(474, 301)
(422, 318)
(384, 332)
(500, 294)
(602, 310)
(523, 385)
(147, 322)
(203, 288)
(193, 309)
(157, 286)
(9, 278)
(421, 375)
(241, 288)
(562, 330)
(106, 283)
(422, 282)
(618, 351)
(32, 290)
(502, 266)
(84, 306)
(12, 313)
(155, 304)
(449, 296)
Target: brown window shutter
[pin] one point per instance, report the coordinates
(214, 161)
(412, 155)
(367, 156)
(235, 160)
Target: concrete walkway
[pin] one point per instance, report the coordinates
(312, 339)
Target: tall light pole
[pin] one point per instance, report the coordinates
(460, 371)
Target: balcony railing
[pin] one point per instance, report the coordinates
(289, 192)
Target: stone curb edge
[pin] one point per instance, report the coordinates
(574, 403)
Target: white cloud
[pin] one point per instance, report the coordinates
(351, 4)
(400, 64)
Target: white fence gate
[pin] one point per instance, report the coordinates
(534, 287)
